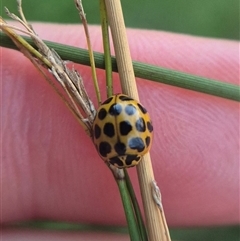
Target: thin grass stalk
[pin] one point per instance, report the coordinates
(82, 15)
(142, 70)
(137, 210)
(155, 227)
(145, 71)
(124, 62)
(106, 48)
(18, 41)
(133, 227)
(67, 226)
(132, 202)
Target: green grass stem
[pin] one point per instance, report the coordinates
(133, 228)
(145, 71)
(106, 48)
(136, 207)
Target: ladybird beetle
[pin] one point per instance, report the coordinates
(122, 131)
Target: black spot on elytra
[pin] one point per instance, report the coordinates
(117, 161)
(147, 140)
(131, 158)
(120, 148)
(107, 101)
(140, 125)
(115, 109)
(97, 131)
(125, 98)
(109, 130)
(102, 113)
(104, 148)
(136, 143)
(130, 109)
(149, 126)
(144, 111)
(125, 127)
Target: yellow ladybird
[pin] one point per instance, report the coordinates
(122, 131)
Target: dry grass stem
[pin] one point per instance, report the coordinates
(156, 223)
(82, 15)
(124, 61)
(71, 82)
(117, 173)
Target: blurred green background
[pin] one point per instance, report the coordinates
(211, 18)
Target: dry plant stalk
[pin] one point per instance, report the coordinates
(155, 218)
(117, 173)
(79, 6)
(71, 82)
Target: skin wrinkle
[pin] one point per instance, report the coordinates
(15, 171)
(73, 168)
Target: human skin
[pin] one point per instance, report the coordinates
(50, 169)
